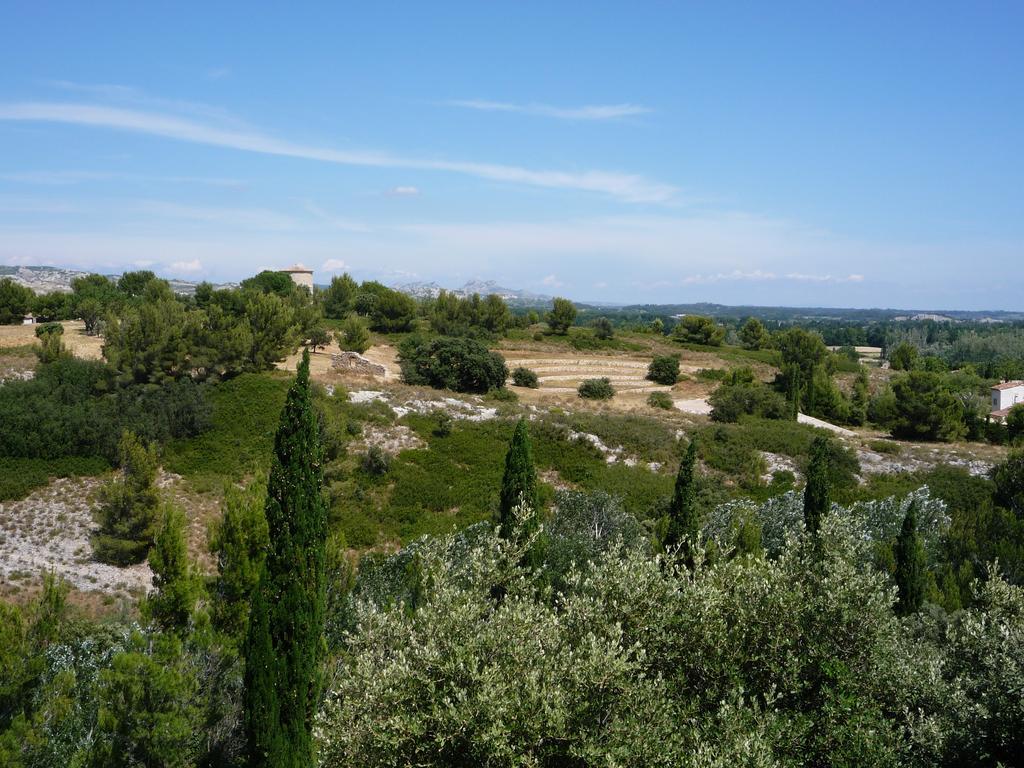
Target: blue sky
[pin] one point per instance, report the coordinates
(861, 154)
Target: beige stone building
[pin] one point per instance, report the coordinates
(300, 275)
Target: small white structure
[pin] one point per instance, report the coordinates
(28, 319)
(1005, 395)
(300, 275)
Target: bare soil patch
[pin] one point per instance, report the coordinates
(49, 530)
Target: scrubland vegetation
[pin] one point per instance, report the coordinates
(434, 573)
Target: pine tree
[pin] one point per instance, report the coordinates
(240, 543)
(910, 565)
(817, 491)
(683, 521)
(861, 397)
(519, 483)
(178, 585)
(284, 646)
(128, 506)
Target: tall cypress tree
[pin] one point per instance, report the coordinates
(683, 522)
(817, 492)
(910, 565)
(284, 646)
(519, 483)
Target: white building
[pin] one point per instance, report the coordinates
(1005, 395)
(300, 275)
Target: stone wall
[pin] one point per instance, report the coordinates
(353, 361)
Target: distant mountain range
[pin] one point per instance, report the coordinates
(431, 290)
(58, 279)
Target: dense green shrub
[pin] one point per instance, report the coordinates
(393, 312)
(661, 400)
(738, 396)
(664, 369)
(502, 395)
(19, 476)
(698, 329)
(459, 364)
(73, 408)
(1008, 476)
(666, 672)
(1015, 422)
(375, 462)
(596, 389)
(46, 329)
(903, 357)
(524, 377)
(712, 374)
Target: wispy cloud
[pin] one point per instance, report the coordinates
(195, 265)
(593, 112)
(129, 94)
(69, 177)
(759, 276)
(334, 265)
(246, 218)
(624, 186)
(407, 191)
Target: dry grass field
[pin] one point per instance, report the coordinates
(87, 347)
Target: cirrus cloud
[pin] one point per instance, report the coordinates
(624, 186)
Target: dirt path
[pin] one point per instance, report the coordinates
(803, 418)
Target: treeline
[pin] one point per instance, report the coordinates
(926, 400)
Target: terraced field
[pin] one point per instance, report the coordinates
(561, 374)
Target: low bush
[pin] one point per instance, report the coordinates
(375, 462)
(524, 377)
(664, 369)
(502, 395)
(45, 329)
(660, 400)
(596, 389)
(712, 374)
(245, 415)
(19, 477)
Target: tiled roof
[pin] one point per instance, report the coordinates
(1009, 385)
(297, 268)
(1002, 414)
